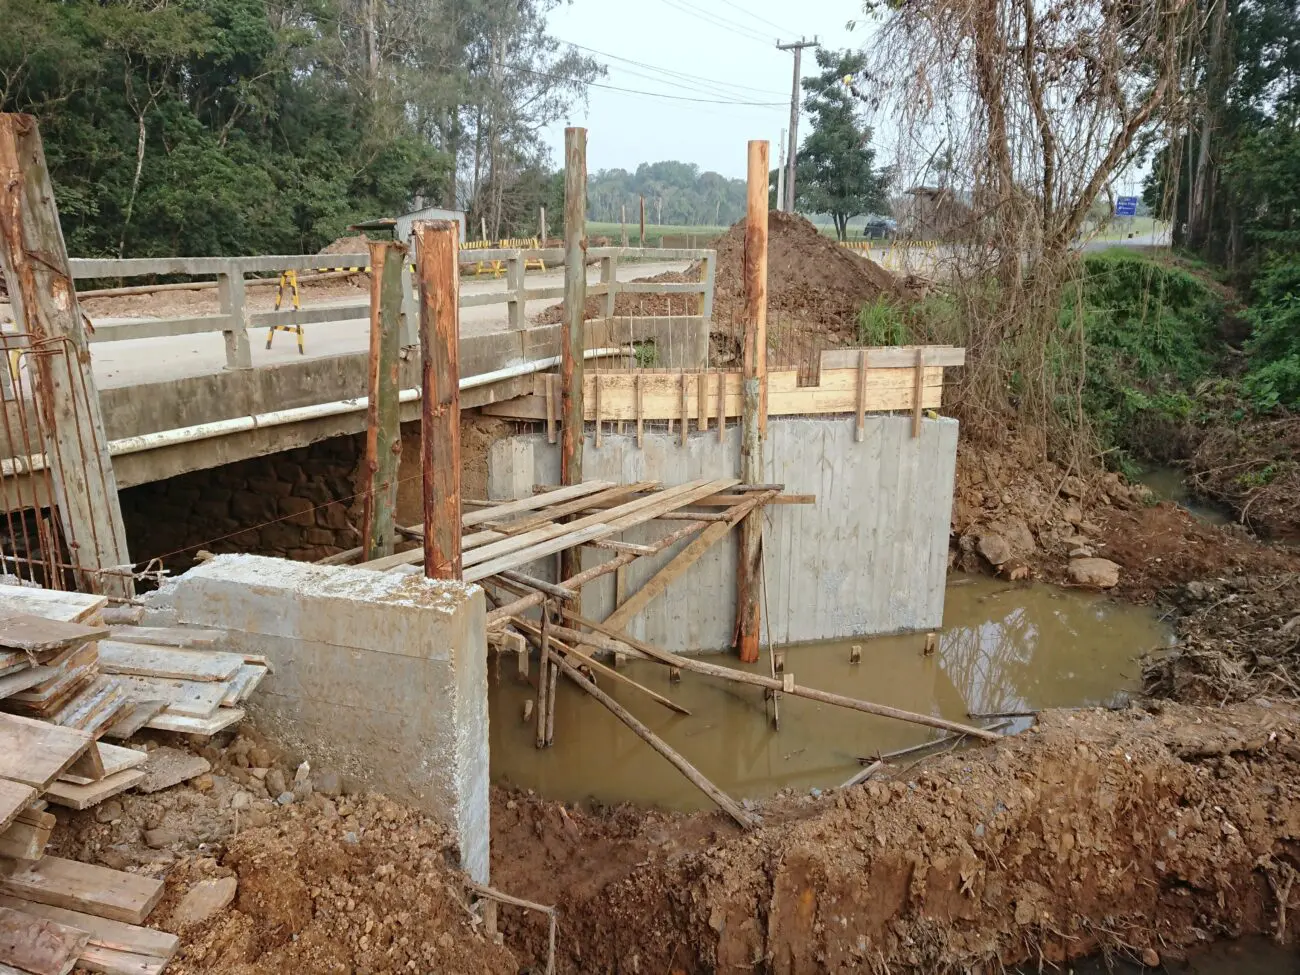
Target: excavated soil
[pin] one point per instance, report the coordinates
(625, 305)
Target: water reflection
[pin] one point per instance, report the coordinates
(1002, 649)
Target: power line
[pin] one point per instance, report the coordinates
(718, 21)
(762, 20)
(714, 82)
(636, 91)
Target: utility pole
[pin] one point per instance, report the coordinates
(780, 174)
(797, 47)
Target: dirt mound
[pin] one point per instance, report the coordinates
(811, 280)
(356, 244)
(1126, 831)
(1238, 637)
(1255, 467)
(638, 305)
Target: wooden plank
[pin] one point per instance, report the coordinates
(26, 841)
(85, 796)
(14, 798)
(243, 684)
(110, 961)
(513, 560)
(640, 413)
(673, 569)
(60, 674)
(67, 607)
(104, 932)
(596, 384)
(36, 753)
(722, 407)
(114, 759)
(519, 542)
(860, 432)
(35, 634)
(88, 768)
(168, 636)
(497, 512)
(116, 657)
(894, 356)
(93, 708)
(550, 407)
(197, 699)
(204, 727)
(608, 498)
(702, 393)
(22, 680)
(918, 390)
(134, 716)
(38, 945)
(87, 887)
(685, 411)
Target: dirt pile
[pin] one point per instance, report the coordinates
(1238, 637)
(1131, 832)
(354, 244)
(1254, 466)
(811, 280)
(1022, 516)
(639, 305)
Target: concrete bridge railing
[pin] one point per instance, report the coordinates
(234, 318)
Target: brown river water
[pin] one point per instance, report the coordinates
(1002, 648)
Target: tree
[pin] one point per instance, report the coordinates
(835, 171)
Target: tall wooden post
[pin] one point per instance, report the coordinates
(541, 226)
(383, 422)
(436, 243)
(575, 303)
(641, 241)
(44, 300)
(753, 404)
(623, 226)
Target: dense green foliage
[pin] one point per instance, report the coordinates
(675, 193)
(835, 172)
(1274, 346)
(246, 126)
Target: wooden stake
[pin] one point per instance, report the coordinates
(640, 420)
(597, 409)
(685, 421)
(550, 699)
(550, 408)
(543, 678)
(34, 259)
(754, 397)
(722, 407)
(575, 303)
(702, 401)
(918, 388)
(862, 396)
(383, 421)
(641, 242)
(724, 801)
(623, 237)
(437, 242)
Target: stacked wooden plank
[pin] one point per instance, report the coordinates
(190, 686)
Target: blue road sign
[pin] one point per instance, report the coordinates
(1126, 206)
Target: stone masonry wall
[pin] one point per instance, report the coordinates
(298, 504)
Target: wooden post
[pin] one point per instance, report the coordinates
(383, 421)
(436, 245)
(541, 226)
(641, 240)
(754, 401)
(575, 303)
(44, 299)
(623, 236)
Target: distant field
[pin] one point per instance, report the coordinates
(654, 233)
(1120, 229)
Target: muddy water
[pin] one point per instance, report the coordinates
(1002, 648)
(1170, 484)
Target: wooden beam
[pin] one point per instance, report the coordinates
(724, 801)
(861, 430)
(918, 390)
(754, 416)
(383, 422)
(575, 304)
(437, 242)
(44, 301)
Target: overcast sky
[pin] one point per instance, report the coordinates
(731, 44)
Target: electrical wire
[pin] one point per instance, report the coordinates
(740, 30)
(761, 20)
(713, 82)
(652, 94)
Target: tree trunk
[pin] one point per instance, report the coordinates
(1198, 223)
(140, 142)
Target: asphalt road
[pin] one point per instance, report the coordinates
(151, 360)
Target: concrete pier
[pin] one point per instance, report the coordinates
(869, 558)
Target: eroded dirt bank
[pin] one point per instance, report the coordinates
(1127, 830)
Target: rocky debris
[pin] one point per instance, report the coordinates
(1238, 639)
(161, 838)
(168, 766)
(995, 548)
(1099, 573)
(206, 898)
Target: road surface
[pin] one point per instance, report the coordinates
(139, 361)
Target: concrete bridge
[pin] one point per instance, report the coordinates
(180, 394)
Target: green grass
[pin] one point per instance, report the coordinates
(1119, 229)
(654, 233)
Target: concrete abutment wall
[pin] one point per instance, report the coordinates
(868, 558)
(381, 676)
